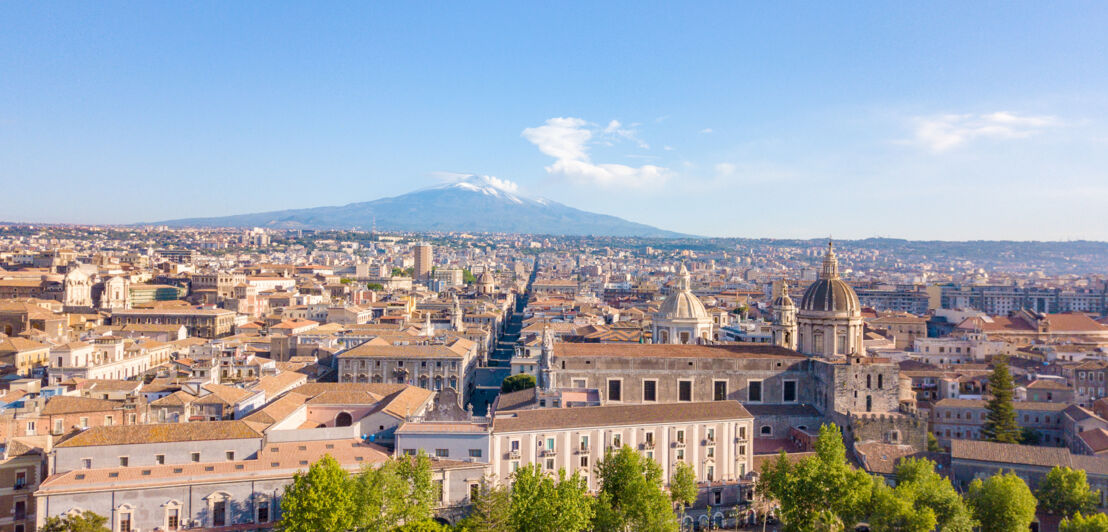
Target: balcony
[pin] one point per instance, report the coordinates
(648, 445)
(547, 452)
(583, 449)
(678, 445)
(513, 455)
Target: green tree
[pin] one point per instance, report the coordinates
(933, 443)
(682, 486)
(1064, 491)
(1000, 421)
(1084, 523)
(84, 522)
(519, 381)
(468, 277)
(400, 490)
(492, 507)
(321, 499)
(421, 526)
(921, 500)
(375, 286)
(819, 491)
(631, 495)
(1030, 436)
(541, 503)
(1001, 503)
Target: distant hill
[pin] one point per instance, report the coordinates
(472, 204)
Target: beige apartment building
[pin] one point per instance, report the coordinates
(431, 366)
(715, 438)
(205, 323)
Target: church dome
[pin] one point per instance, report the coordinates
(783, 300)
(683, 304)
(830, 293)
(485, 278)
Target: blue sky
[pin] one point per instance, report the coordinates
(935, 120)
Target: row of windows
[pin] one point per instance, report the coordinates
(349, 364)
(685, 390)
(159, 459)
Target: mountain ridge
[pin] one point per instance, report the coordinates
(474, 203)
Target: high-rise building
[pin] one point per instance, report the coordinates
(422, 253)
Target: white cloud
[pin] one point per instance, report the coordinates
(724, 169)
(707, 130)
(506, 185)
(566, 139)
(944, 132)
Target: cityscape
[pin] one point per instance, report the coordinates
(242, 289)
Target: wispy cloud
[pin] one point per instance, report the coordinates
(707, 130)
(506, 185)
(567, 140)
(944, 132)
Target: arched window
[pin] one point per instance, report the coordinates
(767, 430)
(869, 381)
(344, 419)
(869, 403)
(880, 381)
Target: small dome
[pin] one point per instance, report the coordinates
(485, 278)
(783, 300)
(683, 304)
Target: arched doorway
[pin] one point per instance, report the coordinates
(344, 419)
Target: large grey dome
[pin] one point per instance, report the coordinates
(829, 293)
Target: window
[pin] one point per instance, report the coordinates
(474, 491)
(230, 455)
(439, 491)
(788, 392)
(172, 518)
(263, 512)
(617, 441)
(84, 423)
(649, 391)
(86, 463)
(550, 444)
(159, 459)
(195, 457)
(717, 496)
(767, 430)
(711, 452)
(578, 383)
(514, 446)
(711, 434)
(680, 436)
(711, 473)
(549, 464)
(684, 390)
(442, 453)
(30, 428)
(754, 391)
(649, 437)
(125, 522)
(59, 426)
(615, 390)
(584, 443)
(20, 480)
(719, 391)
(742, 432)
(585, 461)
(680, 455)
(513, 466)
(475, 453)
(109, 421)
(123, 461)
(409, 452)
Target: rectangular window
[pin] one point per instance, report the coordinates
(123, 461)
(615, 390)
(584, 461)
(754, 391)
(172, 518)
(684, 390)
(649, 391)
(159, 459)
(59, 426)
(549, 464)
(475, 453)
(617, 441)
(86, 463)
(439, 491)
(84, 423)
(195, 457)
(719, 391)
(263, 512)
(230, 455)
(680, 436)
(442, 453)
(788, 393)
(550, 444)
(578, 383)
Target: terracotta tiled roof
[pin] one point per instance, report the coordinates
(1096, 439)
(65, 404)
(162, 433)
(599, 416)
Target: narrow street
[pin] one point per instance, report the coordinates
(489, 377)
